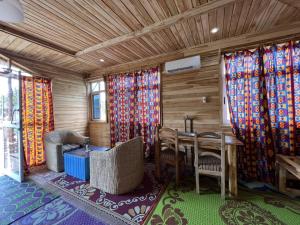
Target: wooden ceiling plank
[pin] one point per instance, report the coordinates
(34, 39)
(52, 22)
(67, 15)
(111, 16)
(93, 16)
(220, 22)
(157, 26)
(142, 10)
(244, 13)
(33, 61)
(125, 14)
(212, 21)
(150, 10)
(182, 35)
(266, 15)
(136, 13)
(241, 40)
(172, 7)
(278, 10)
(193, 28)
(258, 15)
(200, 28)
(173, 31)
(227, 19)
(180, 5)
(293, 3)
(252, 13)
(150, 44)
(205, 25)
(235, 17)
(187, 32)
(160, 13)
(165, 9)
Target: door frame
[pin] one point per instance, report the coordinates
(19, 177)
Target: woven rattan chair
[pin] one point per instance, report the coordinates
(167, 151)
(210, 157)
(120, 169)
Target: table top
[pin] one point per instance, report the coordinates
(80, 152)
(188, 137)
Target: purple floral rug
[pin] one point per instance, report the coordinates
(132, 208)
(58, 212)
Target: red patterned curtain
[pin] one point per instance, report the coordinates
(263, 89)
(246, 91)
(37, 113)
(134, 106)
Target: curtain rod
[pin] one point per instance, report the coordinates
(135, 69)
(261, 44)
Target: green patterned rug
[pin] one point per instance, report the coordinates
(185, 206)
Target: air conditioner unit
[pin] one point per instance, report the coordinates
(183, 65)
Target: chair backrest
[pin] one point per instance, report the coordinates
(210, 140)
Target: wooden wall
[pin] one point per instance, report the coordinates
(70, 100)
(70, 104)
(182, 95)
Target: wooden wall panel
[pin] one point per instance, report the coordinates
(70, 104)
(99, 133)
(182, 95)
(70, 100)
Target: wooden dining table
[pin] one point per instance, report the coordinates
(187, 138)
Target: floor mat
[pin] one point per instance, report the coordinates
(58, 212)
(183, 205)
(18, 199)
(132, 208)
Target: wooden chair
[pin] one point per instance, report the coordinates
(167, 151)
(210, 158)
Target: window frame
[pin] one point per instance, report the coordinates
(93, 93)
(225, 113)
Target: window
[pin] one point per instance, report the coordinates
(225, 107)
(98, 100)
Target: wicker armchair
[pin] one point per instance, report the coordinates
(210, 159)
(57, 142)
(119, 170)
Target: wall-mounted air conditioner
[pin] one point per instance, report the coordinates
(183, 65)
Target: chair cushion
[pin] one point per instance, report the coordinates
(209, 163)
(69, 147)
(169, 155)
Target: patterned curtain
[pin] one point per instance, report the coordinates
(282, 66)
(263, 89)
(134, 106)
(37, 112)
(246, 91)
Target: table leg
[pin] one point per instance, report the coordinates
(233, 188)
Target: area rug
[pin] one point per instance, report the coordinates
(18, 199)
(132, 208)
(184, 206)
(58, 212)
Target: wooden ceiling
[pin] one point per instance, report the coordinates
(76, 34)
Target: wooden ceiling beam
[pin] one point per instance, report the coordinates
(36, 40)
(243, 41)
(158, 25)
(15, 56)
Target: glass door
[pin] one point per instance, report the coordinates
(11, 153)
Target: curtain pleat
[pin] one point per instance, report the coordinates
(134, 106)
(264, 101)
(37, 117)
